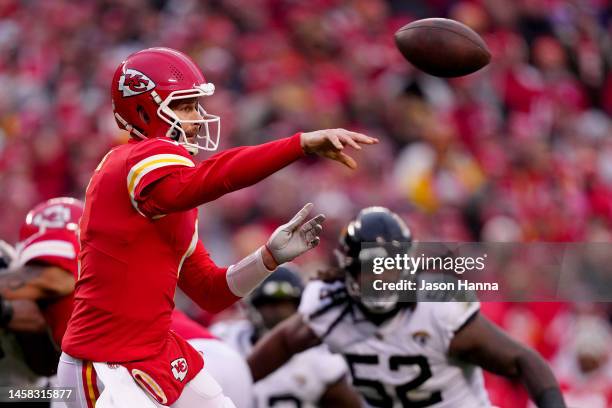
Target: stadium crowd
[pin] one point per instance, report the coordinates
(521, 151)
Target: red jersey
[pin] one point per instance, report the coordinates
(139, 238)
(188, 328)
(54, 247)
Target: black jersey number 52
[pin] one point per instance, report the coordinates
(378, 396)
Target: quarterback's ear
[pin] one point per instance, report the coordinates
(143, 114)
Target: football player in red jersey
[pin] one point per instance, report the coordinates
(37, 290)
(139, 235)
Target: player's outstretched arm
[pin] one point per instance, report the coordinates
(276, 348)
(21, 315)
(36, 282)
(240, 167)
(480, 342)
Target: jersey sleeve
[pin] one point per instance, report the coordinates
(54, 247)
(227, 171)
(150, 161)
(449, 317)
(322, 306)
(205, 282)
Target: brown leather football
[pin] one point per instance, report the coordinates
(442, 47)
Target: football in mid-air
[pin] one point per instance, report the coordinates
(442, 47)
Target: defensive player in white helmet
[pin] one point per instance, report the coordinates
(418, 354)
(312, 378)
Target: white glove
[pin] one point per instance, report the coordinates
(292, 239)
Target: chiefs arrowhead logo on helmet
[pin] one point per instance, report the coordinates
(134, 82)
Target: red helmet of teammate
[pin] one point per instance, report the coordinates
(56, 213)
(147, 82)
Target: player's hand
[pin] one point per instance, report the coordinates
(292, 239)
(7, 254)
(330, 143)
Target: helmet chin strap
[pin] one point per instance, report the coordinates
(129, 128)
(176, 135)
(380, 318)
(380, 307)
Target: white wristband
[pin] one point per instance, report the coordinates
(247, 274)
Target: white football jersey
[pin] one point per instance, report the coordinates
(301, 382)
(404, 362)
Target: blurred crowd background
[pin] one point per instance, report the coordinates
(521, 151)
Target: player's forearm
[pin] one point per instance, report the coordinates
(14, 285)
(482, 343)
(214, 288)
(288, 338)
(269, 354)
(244, 166)
(539, 380)
(36, 282)
(223, 173)
(22, 316)
(208, 288)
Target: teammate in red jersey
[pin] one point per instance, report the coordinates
(49, 237)
(36, 292)
(139, 235)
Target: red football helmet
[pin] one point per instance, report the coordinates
(56, 213)
(147, 82)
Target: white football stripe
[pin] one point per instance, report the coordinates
(62, 249)
(192, 247)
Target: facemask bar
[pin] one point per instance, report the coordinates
(377, 302)
(382, 303)
(211, 142)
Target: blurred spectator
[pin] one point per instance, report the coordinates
(584, 367)
(520, 151)
(530, 133)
